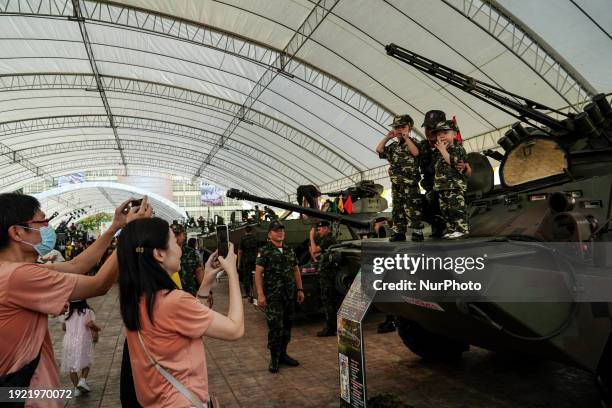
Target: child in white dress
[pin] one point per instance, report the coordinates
(78, 351)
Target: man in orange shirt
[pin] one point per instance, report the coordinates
(29, 292)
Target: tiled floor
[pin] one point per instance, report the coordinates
(238, 372)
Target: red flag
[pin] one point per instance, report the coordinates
(459, 139)
(348, 205)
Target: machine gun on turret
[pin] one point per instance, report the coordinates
(588, 129)
(363, 189)
(551, 151)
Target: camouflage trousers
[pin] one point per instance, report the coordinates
(329, 298)
(431, 213)
(246, 276)
(407, 207)
(279, 315)
(452, 208)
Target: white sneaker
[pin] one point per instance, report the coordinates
(76, 393)
(83, 386)
(454, 235)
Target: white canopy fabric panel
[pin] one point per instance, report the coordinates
(98, 197)
(266, 95)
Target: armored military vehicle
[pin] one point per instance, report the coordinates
(556, 178)
(368, 207)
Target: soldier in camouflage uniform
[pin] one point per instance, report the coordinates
(191, 265)
(402, 156)
(450, 183)
(327, 275)
(247, 253)
(277, 276)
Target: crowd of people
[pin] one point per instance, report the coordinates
(165, 286)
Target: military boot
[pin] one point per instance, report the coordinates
(388, 325)
(417, 235)
(274, 360)
(329, 329)
(285, 359)
(397, 237)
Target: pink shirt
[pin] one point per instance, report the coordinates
(175, 341)
(28, 293)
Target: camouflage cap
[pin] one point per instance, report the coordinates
(275, 225)
(432, 117)
(323, 223)
(402, 120)
(444, 125)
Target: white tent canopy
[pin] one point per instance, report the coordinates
(98, 197)
(268, 95)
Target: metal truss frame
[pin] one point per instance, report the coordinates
(149, 158)
(145, 162)
(200, 34)
(78, 14)
(17, 158)
(154, 125)
(56, 199)
(314, 19)
(493, 19)
(316, 149)
(108, 197)
(130, 145)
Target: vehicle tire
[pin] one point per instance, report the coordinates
(429, 346)
(604, 385)
(603, 380)
(344, 280)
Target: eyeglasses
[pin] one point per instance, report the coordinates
(45, 222)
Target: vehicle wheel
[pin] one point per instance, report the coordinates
(344, 280)
(603, 381)
(603, 385)
(429, 346)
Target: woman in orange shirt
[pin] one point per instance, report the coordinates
(165, 324)
(29, 292)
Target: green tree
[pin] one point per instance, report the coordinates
(93, 222)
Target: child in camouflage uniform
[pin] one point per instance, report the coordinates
(450, 183)
(404, 172)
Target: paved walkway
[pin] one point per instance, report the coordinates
(238, 372)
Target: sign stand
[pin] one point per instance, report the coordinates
(351, 352)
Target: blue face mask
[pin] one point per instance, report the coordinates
(47, 240)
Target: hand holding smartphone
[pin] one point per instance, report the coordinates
(222, 240)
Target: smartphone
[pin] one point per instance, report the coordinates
(132, 204)
(222, 240)
(136, 203)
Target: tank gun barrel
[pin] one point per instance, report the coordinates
(343, 219)
(514, 105)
